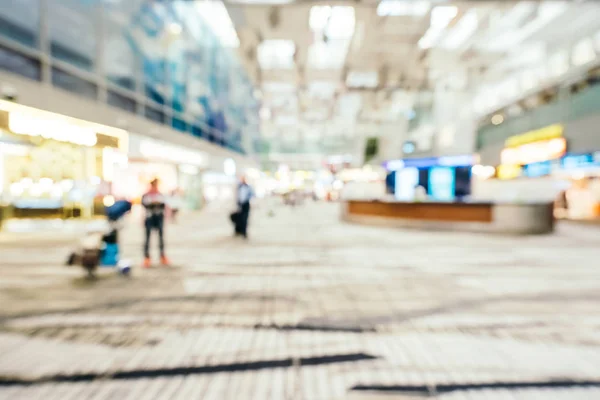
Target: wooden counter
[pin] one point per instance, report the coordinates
(534, 218)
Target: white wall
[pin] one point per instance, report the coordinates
(526, 189)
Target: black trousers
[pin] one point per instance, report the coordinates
(241, 223)
(154, 224)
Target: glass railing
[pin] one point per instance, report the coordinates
(574, 107)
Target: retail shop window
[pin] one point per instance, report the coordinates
(198, 131)
(19, 21)
(179, 124)
(65, 54)
(20, 64)
(154, 115)
(73, 32)
(121, 102)
(75, 84)
(154, 95)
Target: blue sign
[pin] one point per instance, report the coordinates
(442, 183)
(446, 161)
(577, 161)
(538, 169)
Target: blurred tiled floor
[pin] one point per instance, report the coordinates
(309, 308)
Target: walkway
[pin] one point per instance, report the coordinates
(309, 308)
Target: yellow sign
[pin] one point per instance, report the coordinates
(507, 171)
(534, 152)
(547, 133)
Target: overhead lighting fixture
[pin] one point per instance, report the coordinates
(174, 29)
(319, 15)
(322, 89)
(463, 30)
(337, 22)
(395, 8)
(276, 54)
(583, 52)
(441, 16)
(362, 79)
(497, 119)
(341, 23)
(328, 55)
(217, 18)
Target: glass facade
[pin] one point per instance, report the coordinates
(159, 59)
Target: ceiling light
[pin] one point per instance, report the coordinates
(217, 18)
(402, 8)
(336, 22)
(265, 113)
(464, 29)
(319, 15)
(276, 54)
(322, 89)
(441, 16)
(341, 23)
(497, 119)
(362, 79)
(174, 29)
(328, 55)
(583, 52)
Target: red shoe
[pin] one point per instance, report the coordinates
(147, 263)
(165, 261)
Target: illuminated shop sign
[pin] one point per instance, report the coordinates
(537, 169)
(539, 135)
(534, 152)
(447, 161)
(508, 171)
(51, 128)
(571, 162)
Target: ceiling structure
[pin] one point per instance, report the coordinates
(331, 74)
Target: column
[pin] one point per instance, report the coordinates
(45, 43)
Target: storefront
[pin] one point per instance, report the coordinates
(178, 169)
(53, 165)
(442, 178)
(536, 166)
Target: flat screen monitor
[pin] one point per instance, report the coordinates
(442, 183)
(406, 181)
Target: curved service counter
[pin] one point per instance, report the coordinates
(507, 218)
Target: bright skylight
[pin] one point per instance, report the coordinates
(216, 16)
(403, 8)
(441, 16)
(362, 79)
(463, 30)
(336, 22)
(276, 54)
(330, 55)
(322, 89)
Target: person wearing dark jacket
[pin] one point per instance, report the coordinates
(154, 203)
(244, 195)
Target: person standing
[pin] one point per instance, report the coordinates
(155, 204)
(244, 195)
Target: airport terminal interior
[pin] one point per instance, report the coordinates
(299, 199)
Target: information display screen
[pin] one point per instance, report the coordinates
(406, 181)
(442, 183)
